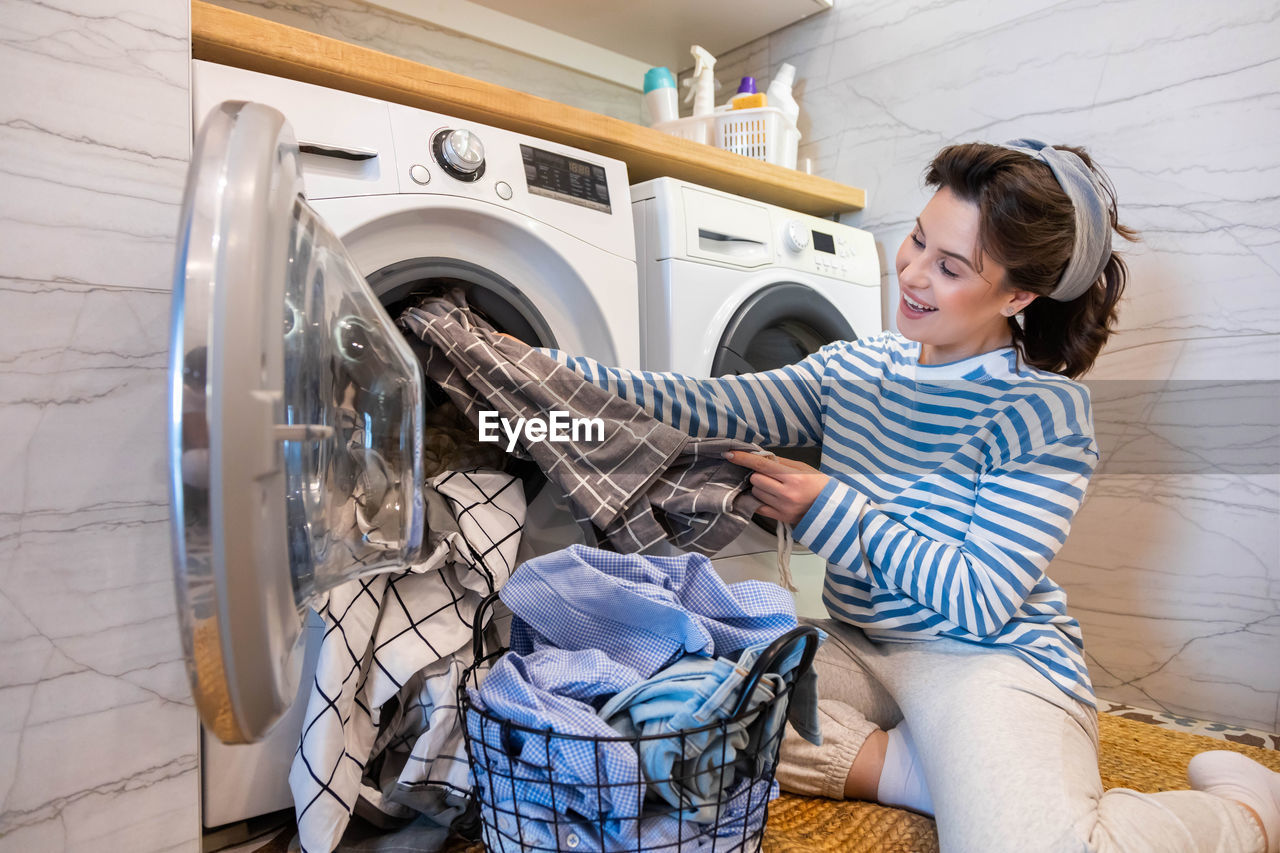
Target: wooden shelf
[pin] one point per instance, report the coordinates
(234, 38)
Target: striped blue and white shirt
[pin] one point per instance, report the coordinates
(952, 486)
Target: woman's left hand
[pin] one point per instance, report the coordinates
(786, 487)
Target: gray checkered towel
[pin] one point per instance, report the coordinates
(644, 482)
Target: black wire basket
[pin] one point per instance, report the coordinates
(704, 788)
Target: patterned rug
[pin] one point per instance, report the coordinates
(1188, 725)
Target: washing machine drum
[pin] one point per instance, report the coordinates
(780, 325)
(505, 307)
(449, 439)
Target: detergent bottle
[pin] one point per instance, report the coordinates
(779, 92)
(660, 95)
(747, 97)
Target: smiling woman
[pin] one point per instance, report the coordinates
(1017, 229)
(954, 458)
(953, 302)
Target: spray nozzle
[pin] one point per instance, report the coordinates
(702, 60)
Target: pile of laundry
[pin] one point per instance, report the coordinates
(641, 483)
(382, 737)
(610, 724)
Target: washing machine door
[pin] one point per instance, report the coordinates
(779, 325)
(294, 422)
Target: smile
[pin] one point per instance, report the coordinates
(917, 306)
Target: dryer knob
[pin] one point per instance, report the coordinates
(796, 236)
(463, 151)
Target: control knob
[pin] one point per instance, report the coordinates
(460, 152)
(796, 236)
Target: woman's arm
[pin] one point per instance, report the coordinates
(1021, 518)
(777, 408)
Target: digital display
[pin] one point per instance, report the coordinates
(564, 178)
(824, 243)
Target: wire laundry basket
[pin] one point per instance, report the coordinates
(713, 797)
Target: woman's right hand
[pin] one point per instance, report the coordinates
(786, 487)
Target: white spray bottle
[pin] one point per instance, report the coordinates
(703, 92)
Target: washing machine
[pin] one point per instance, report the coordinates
(729, 285)
(306, 228)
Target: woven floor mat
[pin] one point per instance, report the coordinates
(1133, 755)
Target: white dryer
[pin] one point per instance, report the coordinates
(729, 285)
(268, 310)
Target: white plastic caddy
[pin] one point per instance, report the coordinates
(762, 133)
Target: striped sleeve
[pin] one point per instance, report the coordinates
(1021, 518)
(777, 408)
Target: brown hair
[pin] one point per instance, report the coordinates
(1027, 224)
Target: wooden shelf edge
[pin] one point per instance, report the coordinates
(238, 39)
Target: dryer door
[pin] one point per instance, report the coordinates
(295, 421)
(780, 325)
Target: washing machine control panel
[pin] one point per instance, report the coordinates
(554, 175)
(574, 192)
(710, 226)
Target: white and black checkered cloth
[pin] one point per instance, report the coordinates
(394, 648)
(643, 483)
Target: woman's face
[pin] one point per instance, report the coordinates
(953, 299)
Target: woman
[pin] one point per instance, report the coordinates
(954, 456)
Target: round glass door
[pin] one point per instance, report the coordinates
(780, 325)
(295, 422)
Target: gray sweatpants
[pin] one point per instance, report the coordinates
(1010, 760)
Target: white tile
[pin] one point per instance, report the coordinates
(82, 362)
(97, 730)
(94, 143)
(95, 711)
(1175, 581)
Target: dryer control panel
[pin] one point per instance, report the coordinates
(825, 248)
(709, 226)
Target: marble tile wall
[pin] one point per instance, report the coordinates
(411, 38)
(1174, 567)
(1174, 563)
(97, 732)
